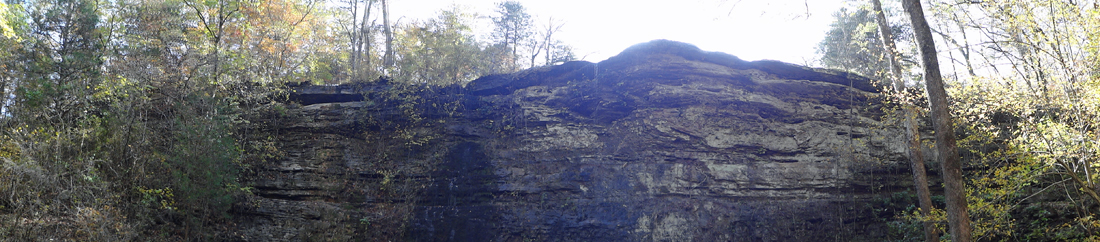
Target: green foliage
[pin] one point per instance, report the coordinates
(203, 162)
(513, 28)
(61, 59)
(112, 128)
(1027, 129)
(440, 51)
(853, 44)
(133, 120)
(1030, 149)
(12, 29)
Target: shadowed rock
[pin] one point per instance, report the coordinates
(663, 142)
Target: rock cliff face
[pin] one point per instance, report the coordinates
(663, 142)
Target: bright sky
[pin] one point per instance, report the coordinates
(598, 29)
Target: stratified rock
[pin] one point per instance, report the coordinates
(663, 142)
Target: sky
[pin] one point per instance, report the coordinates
(784, 30)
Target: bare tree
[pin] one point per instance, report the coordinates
(546, 44)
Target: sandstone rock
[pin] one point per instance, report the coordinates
(663, 142)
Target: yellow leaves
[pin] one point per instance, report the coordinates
(161, 198)
(114, 87)
(5, 28)
(8, 147)
(1044, 129)
(991, 206)
(1069, 148)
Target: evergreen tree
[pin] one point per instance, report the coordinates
(513, 29)
(853, 43)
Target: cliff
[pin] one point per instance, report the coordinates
(663, 142)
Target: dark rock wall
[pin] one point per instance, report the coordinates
(661, 143)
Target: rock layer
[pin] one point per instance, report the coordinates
(663, 142)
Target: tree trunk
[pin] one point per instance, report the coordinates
(916, 158)
(365, 40)
(954, 191)
(547, 45)
(515, 46)
(537, 50)
(353, 66)
(387, 59)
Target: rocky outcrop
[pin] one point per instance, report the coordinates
(663, 142)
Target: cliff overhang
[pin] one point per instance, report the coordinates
(661, 142)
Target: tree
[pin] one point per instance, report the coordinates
(853, 43)
(387, 59)
(51, 129)
(440, 51)
(358, 30)
(1039, 69)
(132, 119)
(131, 109)
(954, 190)
(551, 49)
(916, 158)
(559, 52)
(12, 25)
(62, 60)
(276, 36)
(214, 17)
(513, 28)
